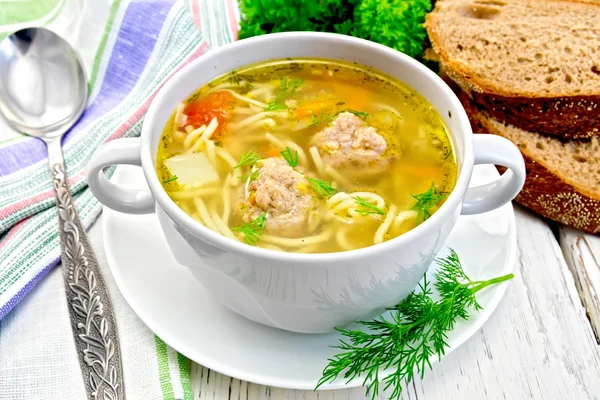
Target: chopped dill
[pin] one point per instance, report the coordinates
(252, 176)
(324, 117)
(252, 230)
(241, 80)
(194, 97)
(173, 178)
(367, 208)
(288, 86)
(291, 158)
(323, 188)
(249, 158)
(426, 201)
(449, 152)
(358, 113)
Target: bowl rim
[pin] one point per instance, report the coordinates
(215, 239)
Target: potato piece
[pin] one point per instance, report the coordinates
(192, 169)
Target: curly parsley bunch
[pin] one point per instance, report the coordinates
(394, 23)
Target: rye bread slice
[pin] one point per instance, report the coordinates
(534, 64)
(563, 179)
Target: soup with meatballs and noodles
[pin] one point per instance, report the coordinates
(307, 156)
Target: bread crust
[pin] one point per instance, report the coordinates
(544, 192)
(567, 117)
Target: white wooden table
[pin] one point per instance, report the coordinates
(543, 341)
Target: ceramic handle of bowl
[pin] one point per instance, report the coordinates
(492, 149)
(126, 200)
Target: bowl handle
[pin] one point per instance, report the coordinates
(493, 149)
(126, 200)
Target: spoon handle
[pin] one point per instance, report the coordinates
(90, 309)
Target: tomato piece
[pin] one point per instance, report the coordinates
(202, 111)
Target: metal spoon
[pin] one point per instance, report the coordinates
(43, 92)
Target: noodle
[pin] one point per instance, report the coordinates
(314, 219)
(190, 194)
(340, 237)
(221, 86)
(296, 242)
(185, 207)
(275, 142)
(242, 111)
(254, 118)
(220, 223)
(189, 128)
(226, 199)
(237, 174)
(343, 201)
(204, 216)
(269, 246)
(339, 202)
(336, 175)
(255, 108)
(261, 125)
(403, 216)
(257, 92)
(247, 99)
(317, 159)
(308, 248)
(210, 129)
(210, 152)
(373, 197)
(383, 228)
(191, 137)
(388, 108)
(179, 136)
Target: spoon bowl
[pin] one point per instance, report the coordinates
(42, 83)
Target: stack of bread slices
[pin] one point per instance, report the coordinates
(529, 70)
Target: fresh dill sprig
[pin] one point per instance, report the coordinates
(426, 201)
(173, 178)
(249, 158)
(367, 208)
(252, 230)
(287, 86)
(290, 157)
(358, 113)
(415, 331)
(323, 188)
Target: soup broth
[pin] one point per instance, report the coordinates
(308, 156)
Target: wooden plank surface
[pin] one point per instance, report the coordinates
(537, 345)
(582, 253)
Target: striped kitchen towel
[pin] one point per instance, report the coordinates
(130, 48)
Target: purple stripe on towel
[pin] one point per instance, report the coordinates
(136, 39)
(5, 308)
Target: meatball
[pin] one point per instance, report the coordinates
(349, 141)
(283, 193)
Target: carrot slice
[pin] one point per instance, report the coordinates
(425, 172)
(315, 107)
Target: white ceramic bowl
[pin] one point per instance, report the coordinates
(307, 293)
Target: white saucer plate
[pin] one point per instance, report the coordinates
(178, 309)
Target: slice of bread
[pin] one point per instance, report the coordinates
(563, 179)
(534, 64)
